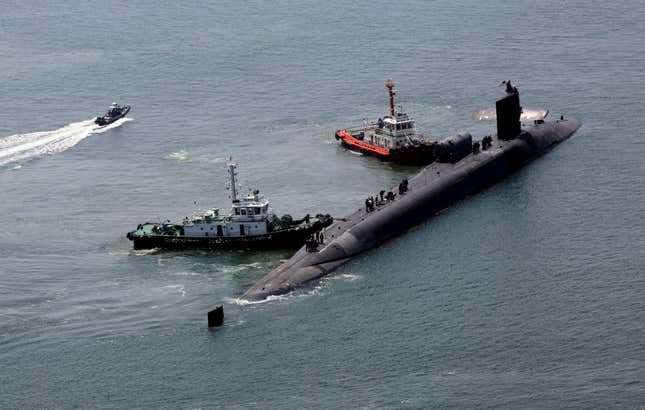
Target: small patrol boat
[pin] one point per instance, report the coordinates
(250, 224)
(116, 112)
(392, 138)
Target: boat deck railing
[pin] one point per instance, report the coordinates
(358, 128)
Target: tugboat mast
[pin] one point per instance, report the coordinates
(232, 166)
(390, 85)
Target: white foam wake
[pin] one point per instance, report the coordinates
(246, 302)
(21, 147)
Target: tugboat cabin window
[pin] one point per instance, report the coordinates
(243, 211)
(237, 211)
(257, 210)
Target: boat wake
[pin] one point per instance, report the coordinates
(186, 156)
(317, 290)
(246, 302)
(143, 252)
(23, 147)
(528, 114)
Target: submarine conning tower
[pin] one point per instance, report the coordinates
(508, 114)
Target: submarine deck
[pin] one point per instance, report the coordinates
(362, 230)
(429, 174)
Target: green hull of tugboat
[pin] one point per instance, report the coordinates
(250, 225)
(146, 236)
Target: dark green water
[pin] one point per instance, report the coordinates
(527, 295)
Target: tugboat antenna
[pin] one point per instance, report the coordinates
(390, 85)
(231, 173)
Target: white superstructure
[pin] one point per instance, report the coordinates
(249, 215)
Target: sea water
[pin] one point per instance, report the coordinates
(529, 294)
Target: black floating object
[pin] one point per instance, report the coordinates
(216, 317)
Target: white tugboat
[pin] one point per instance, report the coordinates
(250, 224)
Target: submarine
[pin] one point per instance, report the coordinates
(462, 168)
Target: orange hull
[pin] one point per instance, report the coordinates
(352, 142)
(421, 154)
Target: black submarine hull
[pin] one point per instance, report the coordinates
(434, 188)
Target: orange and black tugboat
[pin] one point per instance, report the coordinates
(391, 138)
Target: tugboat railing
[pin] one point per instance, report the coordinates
(248, 218)
(361, 127)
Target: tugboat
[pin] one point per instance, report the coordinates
(116, 112)
(249, 225)
(391, 138)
